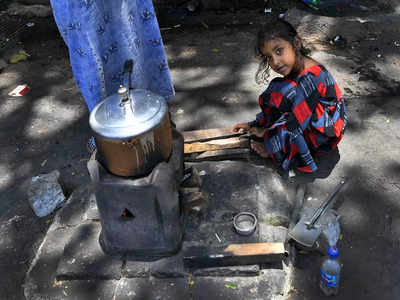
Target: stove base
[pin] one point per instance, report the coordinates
(141, 217)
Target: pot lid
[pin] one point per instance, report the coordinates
(127, 114)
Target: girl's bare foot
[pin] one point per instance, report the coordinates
(259, 148)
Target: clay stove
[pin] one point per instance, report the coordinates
(141, 217)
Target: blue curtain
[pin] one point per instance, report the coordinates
(102, 34)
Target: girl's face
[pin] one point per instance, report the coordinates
(280, 55)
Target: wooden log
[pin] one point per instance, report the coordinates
(236, 153)
(188, 190)
(233, 255)
(208, 134)
(229, 143)
(255, 249)
(223, 154)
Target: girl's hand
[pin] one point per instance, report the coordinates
(259, 132)
(241, 127)
(260, 149)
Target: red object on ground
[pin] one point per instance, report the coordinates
(19, 90)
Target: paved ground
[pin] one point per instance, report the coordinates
(70, 262)
(213, 72)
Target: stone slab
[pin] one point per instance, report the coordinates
(76, 289)
(169, 267)
(268, 285)
(215, 234)
(230, 186)
(73, 211)
(233, 255)
(84, 259)
(270, 233)
(144, 289)
(41, 275)
(45, 193)
(136, 269)
(252, 270)
(275, 198)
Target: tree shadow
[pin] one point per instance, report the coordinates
(213, 73)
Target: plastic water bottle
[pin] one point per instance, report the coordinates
(330, 273)
(330, 230)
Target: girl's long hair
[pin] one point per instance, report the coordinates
(277, 29)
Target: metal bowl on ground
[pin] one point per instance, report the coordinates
(245, 223)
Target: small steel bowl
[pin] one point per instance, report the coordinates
(245, 223)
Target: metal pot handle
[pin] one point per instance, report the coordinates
(127, 72)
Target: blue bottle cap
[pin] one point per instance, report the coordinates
(333, 252)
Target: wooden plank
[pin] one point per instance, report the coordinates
(233, 255)
(188, 190)
(208, 134)
(223, 154)
(227, 141)
(234, 142)
(255, 249)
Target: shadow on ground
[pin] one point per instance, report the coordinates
(213, 75)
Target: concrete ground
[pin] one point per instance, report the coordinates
(212, 67)
(71, 264)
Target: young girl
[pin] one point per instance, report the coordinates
(303, 113)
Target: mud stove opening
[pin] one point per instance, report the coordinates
(141, 217)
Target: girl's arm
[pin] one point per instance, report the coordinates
(257, 131)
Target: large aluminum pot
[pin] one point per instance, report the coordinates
(132, 131)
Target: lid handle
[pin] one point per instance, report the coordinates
(123, 94)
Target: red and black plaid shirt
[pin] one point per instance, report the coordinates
(305, 117)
